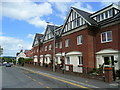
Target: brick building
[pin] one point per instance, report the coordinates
(84, 41)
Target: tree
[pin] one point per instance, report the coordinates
(27, 59)
(21, 60)
(14, 61)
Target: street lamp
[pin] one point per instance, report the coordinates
(53, 47)
(1, 52)
(54, 51)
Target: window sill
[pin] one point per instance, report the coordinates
(106, 42)
(79, 44)
(80, 65)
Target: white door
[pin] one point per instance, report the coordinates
(35, 59)
(41, 61)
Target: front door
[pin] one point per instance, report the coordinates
(109, 61)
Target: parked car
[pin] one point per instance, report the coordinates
(11, 63)
(8, 65)
(0, 64)
(4, 63)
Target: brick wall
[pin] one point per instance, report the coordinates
(115, 44)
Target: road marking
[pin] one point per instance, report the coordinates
(38, 82)
(87, 86)
(60, 79)
(114, 84)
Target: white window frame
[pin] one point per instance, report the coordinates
(37, 50)
(80, 37)
(67, 42)
(60, 44)
(67, 60)
(45, 48)
(50, 47)
(106, 37)
(80, 62)
(56, 45)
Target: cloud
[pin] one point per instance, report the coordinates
(1, 33)
(61, 0)
(105, 3)
(27, 11)
(37, 22)
(83, 6)
(30, 36)
(13, 45)
(63, 7)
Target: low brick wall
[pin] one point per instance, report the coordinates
(67, 72)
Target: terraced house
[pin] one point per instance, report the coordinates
(84, 41)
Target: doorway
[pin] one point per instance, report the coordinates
(109, 61)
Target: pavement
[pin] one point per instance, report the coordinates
(70, 79)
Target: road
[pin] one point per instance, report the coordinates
(15, 77)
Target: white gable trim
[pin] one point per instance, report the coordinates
(45, 33)
(69, 15)
(35, 39)
(113, 6)
(82, 17)
(22, 55)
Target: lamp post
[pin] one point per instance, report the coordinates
(1, 52)
(53, 47)
(54, 51)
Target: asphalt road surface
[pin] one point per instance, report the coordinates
(13, 77)
(16, 77)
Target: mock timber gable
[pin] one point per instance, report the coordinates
(77, 18)
(49, 33)
(37, 39)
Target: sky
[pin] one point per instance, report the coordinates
(21, 19)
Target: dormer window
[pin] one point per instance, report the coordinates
(105, 14)
(110, 13)
(98, 18)
(102, 16)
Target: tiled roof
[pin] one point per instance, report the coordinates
(39, 35)
(52, 27)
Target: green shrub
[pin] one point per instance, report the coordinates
(21, 60)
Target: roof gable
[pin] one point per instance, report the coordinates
(105, 9)
(49, 32)
(77, 17)
(36, 39)
(86, 16)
